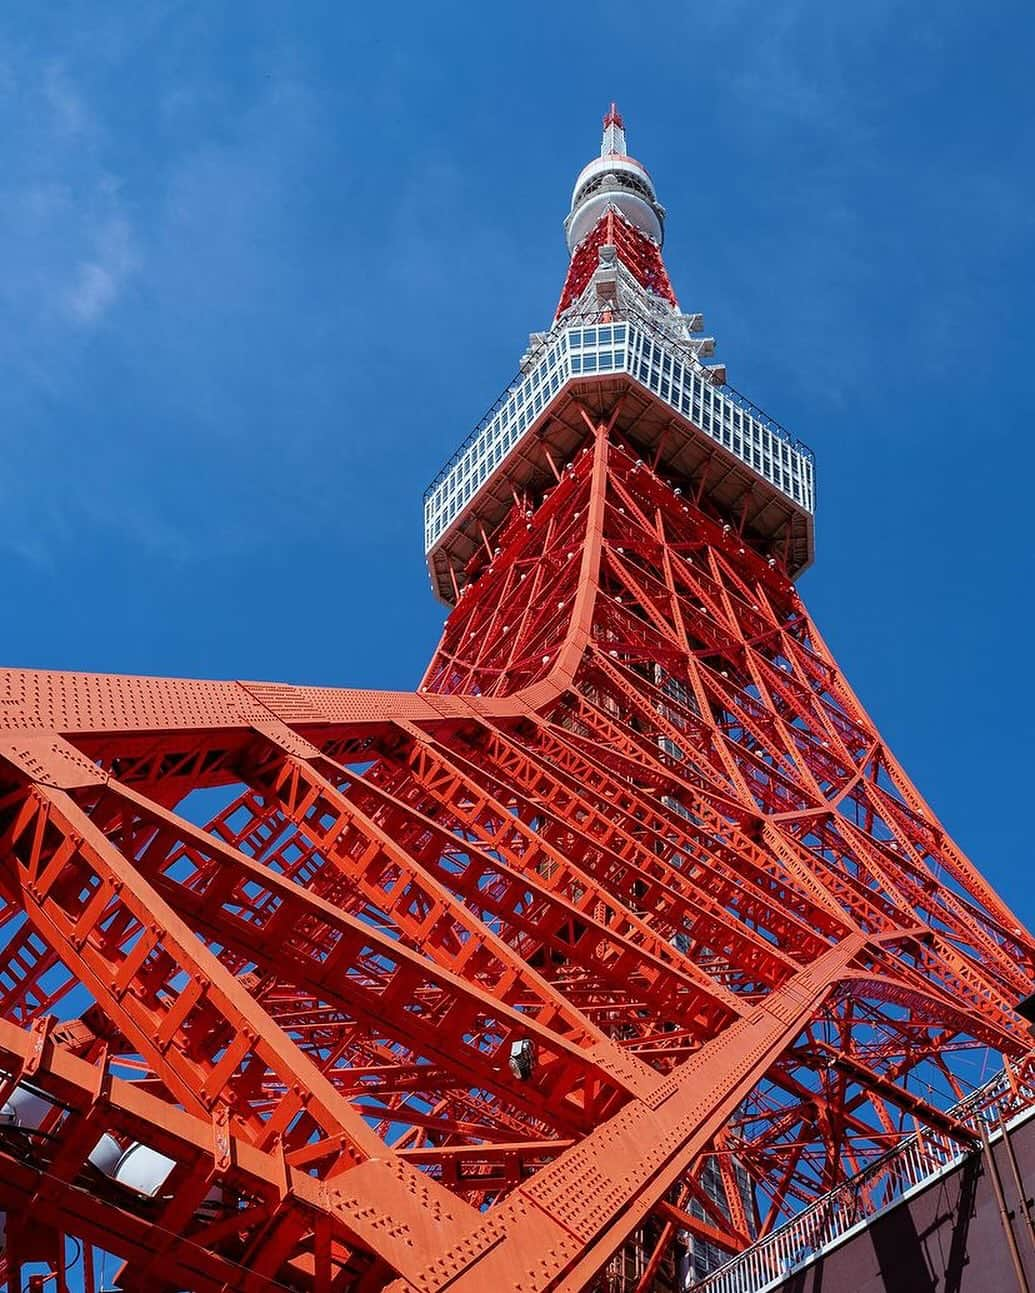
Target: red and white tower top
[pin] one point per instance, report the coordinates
(617, 180)
(614, 231)
(618, 327)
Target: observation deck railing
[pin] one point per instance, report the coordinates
(608, 342)
(913, 1163)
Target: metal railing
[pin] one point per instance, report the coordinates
(911, 1164)
(497, 433)
(649, 326)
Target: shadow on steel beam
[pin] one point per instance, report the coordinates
(901, 1253)
(965, 1205)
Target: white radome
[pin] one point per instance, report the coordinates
(614, 179)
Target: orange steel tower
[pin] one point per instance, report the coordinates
(620, 941)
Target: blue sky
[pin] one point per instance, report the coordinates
(265, 265)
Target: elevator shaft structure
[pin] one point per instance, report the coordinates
(624, 932)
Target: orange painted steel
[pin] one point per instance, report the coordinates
(624, 930)
(647, 830)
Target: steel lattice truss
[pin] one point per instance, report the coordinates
(633, 249)
(633, 817)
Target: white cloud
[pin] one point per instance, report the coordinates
(67, 242)
(99, 279)
(69, 114)
(93, 293)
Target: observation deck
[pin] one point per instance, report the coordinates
(748, 466)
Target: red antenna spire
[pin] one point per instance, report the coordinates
(613, 142)
(614, 117)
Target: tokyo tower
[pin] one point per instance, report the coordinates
(619, 945)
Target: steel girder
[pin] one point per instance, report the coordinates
(465, 986)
